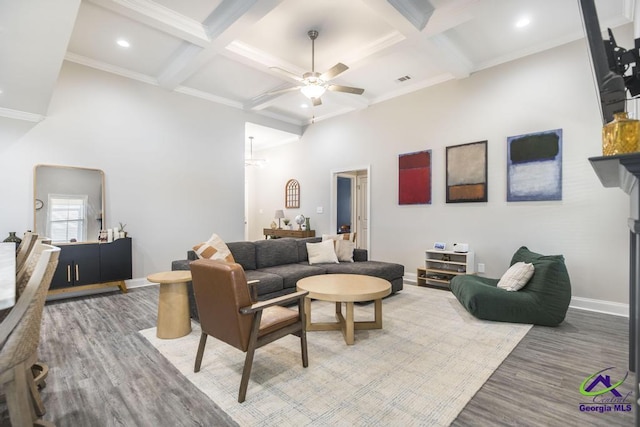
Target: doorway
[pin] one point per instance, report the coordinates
(350, 206)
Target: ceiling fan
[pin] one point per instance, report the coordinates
(314, 84)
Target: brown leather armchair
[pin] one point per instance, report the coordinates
(228, 313)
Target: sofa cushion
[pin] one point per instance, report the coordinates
(303, 255)
(321, 253)
(384, 270)
(268, 282)
(244, 253)
(291, 273)
(344, 250)
(516, 276)
(214, 248)
(276, 252)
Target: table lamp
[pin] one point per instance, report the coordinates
(279, 214)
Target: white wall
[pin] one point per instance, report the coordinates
(546, 91)
(173, 164)
(174, 167)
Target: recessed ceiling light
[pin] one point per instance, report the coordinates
(523, 22)
(304, 105)
(123, 43)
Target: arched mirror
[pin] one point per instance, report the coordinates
(292, 194)
(68, 203)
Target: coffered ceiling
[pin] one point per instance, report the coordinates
(234, 51)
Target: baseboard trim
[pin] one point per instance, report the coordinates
(579, 303)
(140, 282)
(600, 306)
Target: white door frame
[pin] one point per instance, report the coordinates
(333, 217)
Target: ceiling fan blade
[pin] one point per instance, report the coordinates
(316, 101)
(334, 71)
(347, 89)
(286, 73)
(280, 91)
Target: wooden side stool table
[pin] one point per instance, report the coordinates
(173, 304)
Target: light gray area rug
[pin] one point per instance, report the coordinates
(422, 368)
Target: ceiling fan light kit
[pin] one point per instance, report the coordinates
(313, 84)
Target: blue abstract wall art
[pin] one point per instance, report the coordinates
(534, 166)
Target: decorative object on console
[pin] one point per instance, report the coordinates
(286, 223)
(439, 246)
(12, 238)
(121, 233)
(414, 178)
(460, 247)
(214, 248)
(279, 215)
(292, 194)
(621, 136)
(300, 219)
(534, 166)
(308, 225)
(467, 172)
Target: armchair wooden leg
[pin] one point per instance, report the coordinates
(303, 332)
(248, 361)
(303, 345)
(203, 342)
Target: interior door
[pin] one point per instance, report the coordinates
(362, 211)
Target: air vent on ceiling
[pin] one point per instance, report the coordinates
(403, 79)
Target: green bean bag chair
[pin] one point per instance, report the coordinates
(544, 300)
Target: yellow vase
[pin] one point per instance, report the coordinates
(621, 136)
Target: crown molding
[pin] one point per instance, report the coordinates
(109, 68)
(21, 115)
(159, 17)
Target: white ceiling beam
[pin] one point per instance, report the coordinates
(393, 16)
(159, 17)
(431, 39)
(225, 24)
(417, 12)
(449, 16)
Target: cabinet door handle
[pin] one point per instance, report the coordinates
(69, 273)
(77, 273)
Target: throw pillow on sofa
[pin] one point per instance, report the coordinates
(214, 248)
(344, 250)
(322, 253)
(517, 276)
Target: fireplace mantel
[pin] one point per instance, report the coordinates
(623, 171)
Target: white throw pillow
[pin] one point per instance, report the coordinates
(322, 252)
(344, 250)
(516, 276)
(214, 248)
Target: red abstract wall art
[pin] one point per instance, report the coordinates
(414, 178)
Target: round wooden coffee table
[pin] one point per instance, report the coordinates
(347, 289)
(173, 304)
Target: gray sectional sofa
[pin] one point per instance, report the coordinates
(279, 263)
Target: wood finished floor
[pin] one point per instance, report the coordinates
(103, 373)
